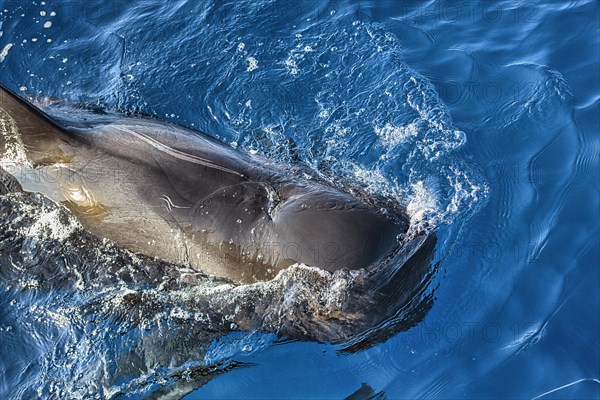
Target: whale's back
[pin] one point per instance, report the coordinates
(179, 195)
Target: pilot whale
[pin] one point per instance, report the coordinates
(179, 195)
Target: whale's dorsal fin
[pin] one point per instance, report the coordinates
(29, 131)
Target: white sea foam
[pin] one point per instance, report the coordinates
(422, 203)
(252, 64)
(291, 65)
(55, 224)
(5, 51)
(392, 135)
(13, 152)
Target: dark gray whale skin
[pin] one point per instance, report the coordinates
(172, 193)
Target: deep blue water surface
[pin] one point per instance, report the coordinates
(482, 118)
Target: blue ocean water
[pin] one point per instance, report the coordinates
(481, 118)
